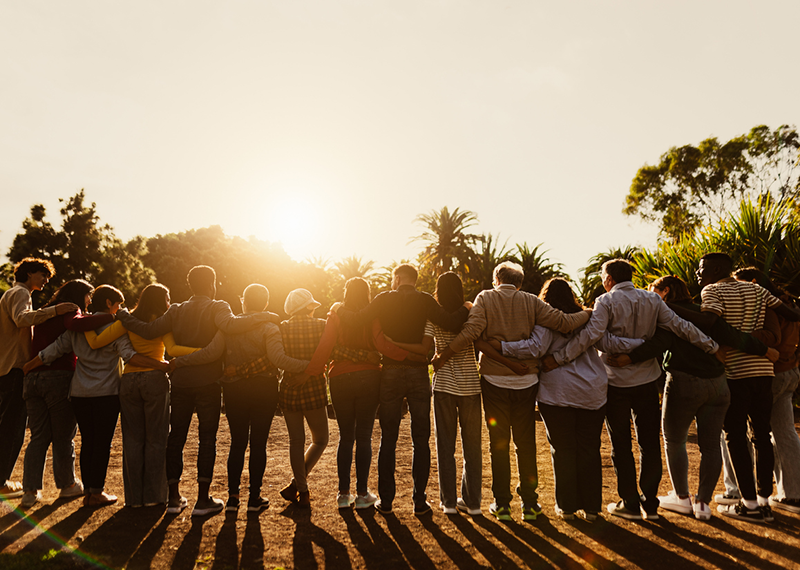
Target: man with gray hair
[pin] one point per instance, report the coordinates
(505, 313)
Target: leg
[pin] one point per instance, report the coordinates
(736, 437)
(155, 392)
(366, 405)
(618, 425)
(237, 411)
(318, 426)
(497, 411)
(106, 414)
(523, 426)
(182, 402)
(13, 418)
(392, 392)
(445, 414)
(63, 428)
(588, 428)
(209, 403)
(419, 407)
(84, 414)
(760, 414)
(262, 410)
(787, 443)
(343, 395)
(683, 395)
(561, 423)
(134, 425)
(295, 426)
(469, 415)
(41, 434)
(710, 418)
(647, 419)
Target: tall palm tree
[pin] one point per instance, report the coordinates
(480, 267)
(449, 246)
(537, 267)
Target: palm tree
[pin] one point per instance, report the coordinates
(353, 266)
(538, 268)
(446, 238)
(480, 267)
(590, 286)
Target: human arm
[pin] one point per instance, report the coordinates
(439, 316)
(770, 332)
(212, 352)
(154, 329)
(654, 347)
(20, 311)
(704, 320)
(613, 344)
(79, 322)
(589, 335)
(788, 311)
(227, 322)
(61, 346)
(534, 346)
(519, 368)
(687, 331)
(106, 337)
(388, 348)
(174, 349)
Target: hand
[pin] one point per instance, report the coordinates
(230, 370)
(335, 307)
(172, 365)
(468, 305)
(618, 360)
(31, 364)
(167, 366)
(495, 344)
(773, 355)
(437, 362)
(518, 368)
(374, 357)
(588, 312)
(548, 363)
(64, 308)
(722, 354)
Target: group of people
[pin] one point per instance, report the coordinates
(730, 364)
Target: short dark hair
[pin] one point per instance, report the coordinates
(73, 291)
(509, 273)
(620, 270)
(761, 278)
(152, 302)
(557, 293)
(256, 297)
(449, 291)
(719, 260)
(201, 277)
(105, 293)
(406, 271)
(678, 290)
(24, 268)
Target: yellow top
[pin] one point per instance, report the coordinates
(152, 348)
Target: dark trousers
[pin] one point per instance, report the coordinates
(355, 397)
(13, 417)
(249, 406)
(510, 412)
(413, 384)
(184, 401)
(97, 420)
(574, 436)
(640, 403)
(751, 398)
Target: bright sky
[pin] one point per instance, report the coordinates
(329, 125)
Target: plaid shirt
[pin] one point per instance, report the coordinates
(301, 335)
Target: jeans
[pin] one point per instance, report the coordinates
(355, 397)
(51, 420)
(687, 398)
(13, 417)
(574, 436)
(184, 401)
(144, 403)
(784, 435)
(249, 406)
(448, 412)
(640, 403)
(751, 398)
(510, 411)
(413, 384)
(97, 419)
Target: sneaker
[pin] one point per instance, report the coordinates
(74, 490)
(134, 506)
(620, 510)
(289, 492)
(462, 506)
(345, 500)
(588, 516)
(529, 513)
(726, 499)
(383, 508)
(791, 505)
(564, 515)
(304, 500)
(766, 512)
(11, 490)
(502, 512)
(741, 512)
(257, 504)
(365, 501)
(99, 499)
(672, 502)
(176, 508)
(702, 511)
(649, 515)
(448, 510)
(30, 498)
(422, 508)
(210, 507)
(233, 504)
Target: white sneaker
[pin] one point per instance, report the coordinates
(448, 510)
(365, 501)
(462, 506)
(672, 502)
(345, 500)
(702, 511)
(726, 499)
(30, 498)
(74, 490)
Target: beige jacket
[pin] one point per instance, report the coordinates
(16, 319)
(505, 314)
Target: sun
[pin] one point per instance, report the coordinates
(293, 217)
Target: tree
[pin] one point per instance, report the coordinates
(480, 267)
(591, 286)
(695, 186)
(448, 247)
(538, 268)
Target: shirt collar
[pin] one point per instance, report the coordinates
(23, 285)
(505, 286)
(623, 285)
(406, 289)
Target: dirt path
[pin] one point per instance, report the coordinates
(284, 536)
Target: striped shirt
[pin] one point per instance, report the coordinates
(459, 375)
(743, 305)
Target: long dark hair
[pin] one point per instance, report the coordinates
(356, 293)
(557, 293)
(152, 302)
(105, 293)
(449, 291)
(73, 291)
(678, 290)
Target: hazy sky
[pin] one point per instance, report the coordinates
(328, 126)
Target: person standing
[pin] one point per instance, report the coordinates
(17, 318)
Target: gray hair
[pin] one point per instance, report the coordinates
(509, 273)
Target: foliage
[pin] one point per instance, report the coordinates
(692, 187)
(590, 286)
(538, 268)
(480, 267)
(448, 247)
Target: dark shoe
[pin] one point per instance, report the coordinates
(422, 508)
(257, 504)
(304, 500)
(174, 508)
(620, 510)
(232, 505)
(766, 512)
(741, 512)
(383, 508)
(289, 492)
(211, 506)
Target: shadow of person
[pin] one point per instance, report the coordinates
(186, 556)
(60, 533)
(306, 534)
(252, 543)
(457, 553)
(408, 544)
(553, 535)
(151, 545)
(119, 537)
(496, 557)
(18, 523)
(537, 552)
(226, 547)
(376, 546)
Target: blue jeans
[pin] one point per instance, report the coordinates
(51, 420)
(144, 403)
(450, 411)
(207, 401)
(355, 398)
(413, 384)
(13, 418)
(784, 435)
(687, 398)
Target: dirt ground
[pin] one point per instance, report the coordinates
(288, 537)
